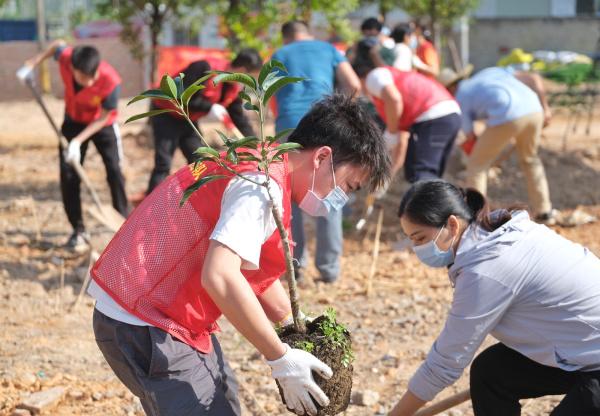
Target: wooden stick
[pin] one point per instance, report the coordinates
(375, 252)
(445, 404)
(93, 257)
(36, 222)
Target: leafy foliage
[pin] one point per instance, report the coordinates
(337, 335)
(305, 345)
(262, 149)
(444, 12)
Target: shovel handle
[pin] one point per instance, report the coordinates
(445, 404)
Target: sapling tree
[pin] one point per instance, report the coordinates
(267, 150)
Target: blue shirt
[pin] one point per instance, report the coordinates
(495, 95)
(314, 60)
(533, 290)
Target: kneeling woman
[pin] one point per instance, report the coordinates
(533, 290)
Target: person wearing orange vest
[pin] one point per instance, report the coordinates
(91, 94)
(426, 51)
(422, 118)
(218, 102)
(170, 272)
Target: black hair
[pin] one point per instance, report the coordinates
(85, 59)
(399, 32)
(431, 203)
(363, 63)
(291, 28)
(249, 59)
(371, 23)
(343, 124)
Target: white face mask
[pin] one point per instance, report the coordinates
(413, 42)
(431, 255)
(317, 207)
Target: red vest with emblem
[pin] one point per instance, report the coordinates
(85, 106)
(152, 266)
(213, 93)
(419, 93)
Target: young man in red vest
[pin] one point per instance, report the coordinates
(218, 102)
(422, 118)
(91, 96)
(170, 272)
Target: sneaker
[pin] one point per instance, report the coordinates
(78, 242)
(549, 218)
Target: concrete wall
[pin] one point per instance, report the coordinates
(490, 38)
(13, 54)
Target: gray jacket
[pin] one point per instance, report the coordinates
(533, 290)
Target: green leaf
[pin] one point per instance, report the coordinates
(251, 107)
(288, 146)
(193, 188)
(189, 92)
(156, 94)
(207, 151)
(250, 141)
(167, 86)
(283, 133)
(244, 96)
(271, 79)
(232, 156)
(179, 85)
(235, 77)
(149, 114)
(224, 137)
(268, 68)
(278, 85)
(248, 157)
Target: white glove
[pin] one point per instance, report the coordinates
(217, 112)
(74, 152)
(390, 139)
(25, 73)
(294, 373)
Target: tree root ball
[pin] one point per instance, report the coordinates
(339, 387)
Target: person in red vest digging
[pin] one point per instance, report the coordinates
(91, 97)
(170, 272)
(422, 118)
(217, 102)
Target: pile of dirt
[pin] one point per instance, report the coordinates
(339, 387)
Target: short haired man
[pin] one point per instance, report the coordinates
(322, 66)
(513, 106)
(219, 102)
(91, 97)
(171, 271)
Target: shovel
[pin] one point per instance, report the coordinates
(105, 214)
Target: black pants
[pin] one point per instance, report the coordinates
(501, 376)
(107, 143)
(170, 377)
(429, 147)
(169, 133)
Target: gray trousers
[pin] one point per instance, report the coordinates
(170, 377)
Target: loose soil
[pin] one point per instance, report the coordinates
(44, 342)
(339, 387)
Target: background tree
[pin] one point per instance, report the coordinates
(152, 14)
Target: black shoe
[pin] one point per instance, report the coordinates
(78, 242)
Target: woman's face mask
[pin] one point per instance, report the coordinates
(430, 254)
(320, 207)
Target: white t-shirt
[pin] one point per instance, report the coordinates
(246, 222)
(379, 78)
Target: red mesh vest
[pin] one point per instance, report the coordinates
(211, 92)
(85, 106)
(152, 266)
(419, 93)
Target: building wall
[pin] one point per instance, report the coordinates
(112, 50)
(490, 39)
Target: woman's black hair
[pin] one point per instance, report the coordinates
(431, 203)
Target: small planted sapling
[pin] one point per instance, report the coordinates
(323, 337)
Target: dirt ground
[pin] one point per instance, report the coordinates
(45, 342)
